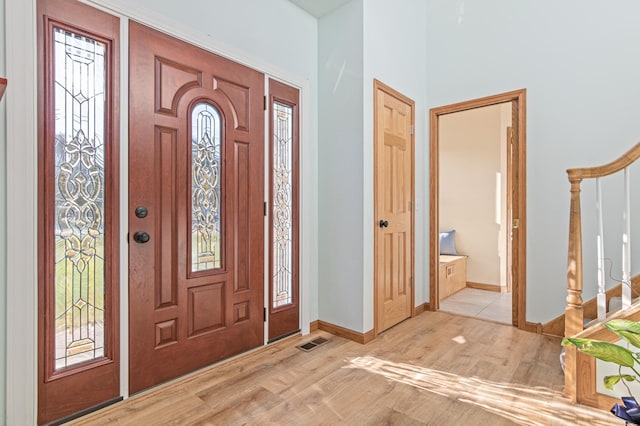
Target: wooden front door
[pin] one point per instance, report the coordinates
(393, 140)
(78, 135)
(284, 287)
(196, 194)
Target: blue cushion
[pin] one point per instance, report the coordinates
(447, 243)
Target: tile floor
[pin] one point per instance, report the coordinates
(481, 304)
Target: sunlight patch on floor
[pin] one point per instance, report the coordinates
(521, 404)
(460, 340)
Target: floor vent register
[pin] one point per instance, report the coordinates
(309, 346)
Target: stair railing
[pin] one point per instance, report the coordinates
(574, 315)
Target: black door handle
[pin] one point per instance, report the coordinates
(383, 223)
(141, 237)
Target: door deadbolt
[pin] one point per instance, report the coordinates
(141, 212)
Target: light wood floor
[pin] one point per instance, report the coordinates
(435, 369)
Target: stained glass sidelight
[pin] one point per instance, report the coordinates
(282, 240)
(79, 206)
(206, 135)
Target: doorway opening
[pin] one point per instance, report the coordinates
(477, 214)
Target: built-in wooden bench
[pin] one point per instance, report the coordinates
(453, 275)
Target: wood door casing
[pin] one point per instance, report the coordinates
(517, 188)
(180, 319)
(284, 209)
(65, 391)
(393, 237)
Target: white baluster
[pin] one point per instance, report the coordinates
(602, 296)
(626, 243)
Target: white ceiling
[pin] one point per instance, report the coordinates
(319, 8)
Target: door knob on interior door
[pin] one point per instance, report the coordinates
(141, 237)
(383, 223)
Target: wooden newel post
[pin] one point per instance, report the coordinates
(573, 319)
(573, 313)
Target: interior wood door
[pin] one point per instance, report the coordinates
(516, 217)
(393, 140)
(78, 244)
(510, 161)
(196, 220)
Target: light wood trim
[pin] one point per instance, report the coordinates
(555, 327)
(603, 402)
(532, 327)
(486, 287)
(357, 337)
(3, 86)
(314, 326)
(615, 166)
(421, 308)
(519, 209)
(378, 85)
(434, 209)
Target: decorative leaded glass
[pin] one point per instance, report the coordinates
(79, 227)
(282, 240)
(206, 135)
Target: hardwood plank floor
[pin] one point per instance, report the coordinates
(434, 369)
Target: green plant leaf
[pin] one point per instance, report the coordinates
(567, 341)
(611, 381)
(623, 324)
(602, 350)
(628, 330)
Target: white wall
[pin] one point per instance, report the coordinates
(583, 100)
(3, 237)
(340, 161)
(469, 150)
(276, 32)
(356, 45)
(394, 53)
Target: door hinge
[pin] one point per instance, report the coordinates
(127, 238)
(412, 129)
(264, 314)
(516, 223)
(265, 102)
(265, 209)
